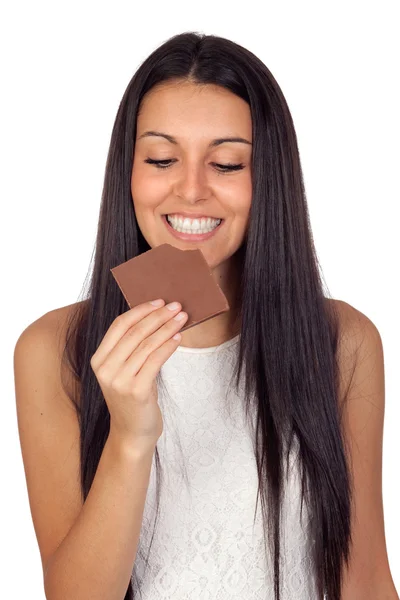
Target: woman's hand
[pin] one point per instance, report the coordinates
(126, 364)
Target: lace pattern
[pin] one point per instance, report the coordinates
(205, 545)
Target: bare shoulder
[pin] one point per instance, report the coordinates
(359, 340)
(58, 319)
(53, 323)
(355, 326)
(45, 338)
(356, 329)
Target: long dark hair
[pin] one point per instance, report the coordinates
(289, 328)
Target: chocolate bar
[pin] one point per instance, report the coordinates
(172, 274)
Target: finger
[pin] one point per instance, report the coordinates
(151, 366)
(118, 329)
(134, 355)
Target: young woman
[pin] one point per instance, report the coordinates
(280, 400)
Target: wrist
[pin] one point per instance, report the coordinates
(130, 449)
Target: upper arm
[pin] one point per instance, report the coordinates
(362, 365)
(49, 435)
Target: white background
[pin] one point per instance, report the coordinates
(65, 67)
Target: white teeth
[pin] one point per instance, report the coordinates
(193, 225)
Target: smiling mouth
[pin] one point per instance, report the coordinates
(195, 235)
(202, 224)
(192, 218)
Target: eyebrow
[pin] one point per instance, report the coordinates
(215, 142)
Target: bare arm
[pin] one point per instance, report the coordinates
(87, 550)
(361, 355)
(96, 558)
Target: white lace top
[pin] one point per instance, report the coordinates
(204, 545)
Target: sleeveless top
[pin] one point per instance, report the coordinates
(205, 545)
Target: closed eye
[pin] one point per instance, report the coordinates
(164, 164)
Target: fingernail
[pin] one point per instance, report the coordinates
(180, 316)
(158, 302)
(173, 305)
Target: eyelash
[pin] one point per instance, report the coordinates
(225, 168)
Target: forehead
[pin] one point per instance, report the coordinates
(181, 107)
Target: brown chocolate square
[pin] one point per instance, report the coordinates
(172, 274)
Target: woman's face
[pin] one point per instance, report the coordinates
(194, 116)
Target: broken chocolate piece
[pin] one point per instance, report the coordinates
(172, 274)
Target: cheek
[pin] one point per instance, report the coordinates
(146, 190)
(246, 197)
(238, 197)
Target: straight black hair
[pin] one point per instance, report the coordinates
(289, 329)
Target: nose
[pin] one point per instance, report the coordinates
(191, 183)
